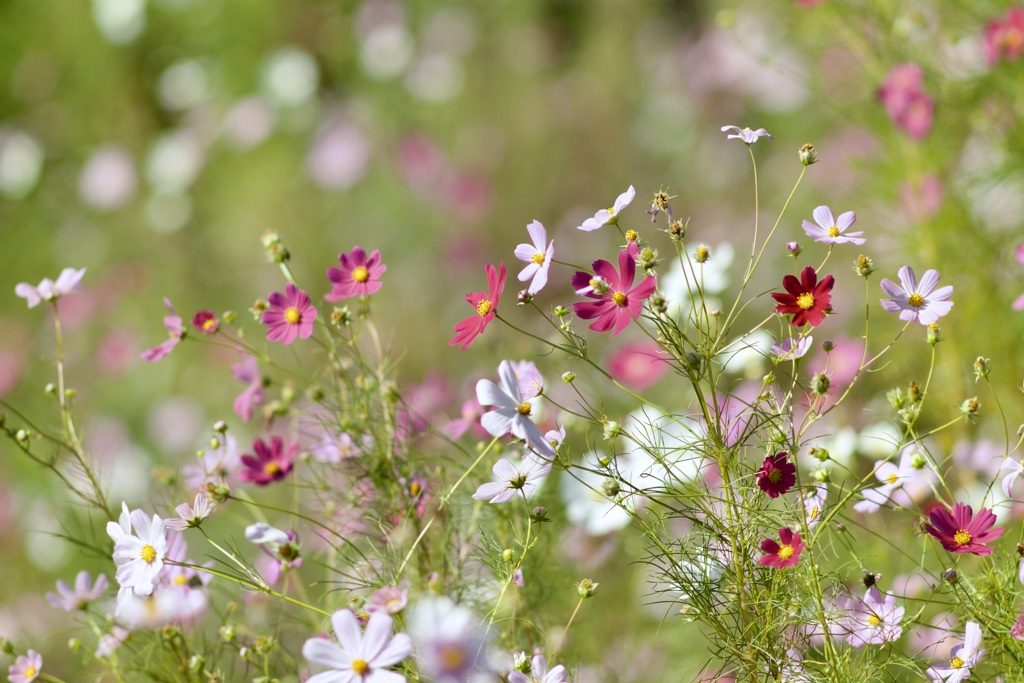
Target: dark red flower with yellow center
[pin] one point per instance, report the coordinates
(777, 475)
(807, 299)
(960, 531)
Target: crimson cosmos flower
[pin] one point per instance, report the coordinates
(485, 304)
(960, 531)
(618, 301)
(785, 555)
(807, 299)
(777, 475)
(271, 463)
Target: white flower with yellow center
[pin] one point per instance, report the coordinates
(139, 557)
(358, 657)
(611, 214)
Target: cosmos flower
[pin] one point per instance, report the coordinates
(915, 301)
(539, 673)
(172, 323)
(84, 592)
(512, 412)
(747, 135)
(785, 555)
(611, 215)
(1014, 470)
(68, 281)
(358, 657)
(290, 315)
(960, 531)
(271, 463)
(486, 305)
(893, 478)
(1004, 37)
(139, 557)
(830, 230)
(281, 546)
(190, 515)
(248, 371)
(449, 639)
(205, 321)
(26, 668)
(908, 106)
(807, 299)
(358, 275)
(777, 475)
(390, 600)
(513, 479)
(873, 620)
(814, 504)
(962, 658)
(639, 365)
(791, 349)
(620, 302)
(537, 257)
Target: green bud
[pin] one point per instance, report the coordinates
(586, 588)
(568, 377)
(981, 368)
(970, 407)
(561, 311)
(611, 429)
(808, 155)
(702, 254)
(934, 334)
(611, 488)
(507, 554)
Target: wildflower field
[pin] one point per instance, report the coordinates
(735, 393)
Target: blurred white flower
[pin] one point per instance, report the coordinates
(386, 51)
(108, 180)
(435, 78)
(249, 122)
(174, 160)
(21, 161)
(290, 77)
(183, 85)
(120, 21)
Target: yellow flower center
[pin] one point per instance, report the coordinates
(961, 537)
(833, 231)
(815, 511)
(786, 552)
(360, 274)
(148, 554)
(774, 476)
(892, 478)
(524, 408)
(292, 315)
(209, 323)
(619, 298)
(31, 671)
(915, 300)
(180, 580)
(874, 621)
(360, 666)
(452, 658)
(483, 308)
(632, 235)
(538, 258)
(805, 301)
(611, 212)
(956, 663)
(271, 468)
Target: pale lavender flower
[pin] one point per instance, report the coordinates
(248, 371)
(793, 671)
(358, 657)
(68, 281)
(449, 640)
(539, 673)
(963, 658)
(281, 546)
(537, 257)
(1014, 470)
(512, 479)
(512, 411)
(172, 323)
(555, 437)
(190, 515)
(84, 592)
(223, 463)
(873, 620)
(894, 478)
(814, 504)
(390, 600)
(915, 301)
(26, 668)
(517, 578)
(791, 349)
(747, 135)
(610, 215)
(531, 384)
(832, 230)
(109, 643)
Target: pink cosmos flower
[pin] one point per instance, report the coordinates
(963, 658)
(639, 365)
(272, 463)
(747, 135)
(205, 321)
(539, 673)
(537, 257)
(960, 531)
(358, 657)
(806, 299)
(84, 592)
(905, 100)
(469, 415)
(1017, 630)
(830, 230)
(290, 315)
(26, 668)
(785, 555)
(248, 371)
(777, 475)
(390, 600)
(611, 215)
(791, 349)
(172, 323)
(915, 301)
(872, 620)
(68, 281)
(358, 275)
(282, 547)
(814, 504)
(486, 306)
(1018, 303)
(512, 479)
(531, 383)
(1004, 37)
(621, 302)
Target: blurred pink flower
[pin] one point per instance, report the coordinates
(905, 100)
(638, 365)
(1004, 37)
(390, 600)
(26, 668)
(339, 157)
(248, 371)
(921, 199)
(172, 323)
(1018, 304)
(84, 592)
(205, 321)
(290, 315)
(271, 463)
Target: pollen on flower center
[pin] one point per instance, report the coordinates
(833, 231)
(524, 408)
(619, 298)
(538, 258)
(874, 621)
(892, 478)
(148, 554)
(30, 672)
(962, 537)
(360, 666)
(956, 663)
(915, 300)
(815, 511)
(180, 580)
(483, 308)
(271, 468)
(209, 323)
(292, 316)
(360, 274)
(452, 658)
(786, 552)
(805, 301)
(775, 476)
(611, 211)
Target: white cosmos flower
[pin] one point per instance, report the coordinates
(139, 558)
(512, 413)
(514, 478)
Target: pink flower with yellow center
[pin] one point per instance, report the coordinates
(960, 531)
(618, 302)
(206, 322)
(290, 315)
(784, 554)
(1004, 37)
(271, 463)
(26, 668)
(359, 275)
(486, 305)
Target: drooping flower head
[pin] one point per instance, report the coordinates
(610, 215)
(68, 281)
(511, 412)
(248, 371)
(916, 301)
(84, 592)
(832, 230)
(486, 306)
(617, 302)
(962, 658)
(271, 463)
(537, 257)
(806, 299)
(747, 135)
(190, 515)
(26, 668)
(359, 275)
(281, 546)
(172, 323)
(960, 531)
(290, 315)
(777, 474)
(814, 504)
(785, 554)
(358, 657)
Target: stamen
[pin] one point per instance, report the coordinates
(956, 663)
(483, 308)
(619, 298)
(538, 258)
(292, 316)
(30, 672)
(148, 554)
(272, 468)
(874, 621)
(360, 666)
(524, 408)
(833, 231)
(915, 300)
(892, 478)
(961, 537)
(774, 476)
(805, 301)
(360, 274)
(786, 552)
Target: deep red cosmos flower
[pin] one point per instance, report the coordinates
(618, 302)
(271, 463)
(777, 475)
(807, 299)
(960, 531)
(205, 321)
(485, 304)
(785, 555)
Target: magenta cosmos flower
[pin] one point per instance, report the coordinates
(747, 135)
(271, 463)
(618, 301)
(917, 301)
(358, 657)
(777, 475)
(960, 531)
(172, 323)
(537, 257)
(26, 668)
(358, 275)
(806, 299)
(785, 554)
(486, 305)
(832, 230)
(206, 322)
(290, 315)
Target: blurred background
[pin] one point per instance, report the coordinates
(154, 142)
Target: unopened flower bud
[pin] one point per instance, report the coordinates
(701, 254)
(896, 398)
(808, 155)
(658, 304)
(611, 429)
(568, 377)
(220, 426)
(74, 644)
(229, 317)
(918, 461)
(258, 308)
(561, 311)
(648, 259)
(793, 249)
(632, 235)
(611, 488)
(827, 346)
(507, 554)
(715, 312)
(341, 317)
(677, 229)
(934, 334)
(821, 475)
(981, 368)
(820, 384)
(70, 393)
(539, 515)
(217, 491)
(50, 389)
(970, 407)
(914, 392)
(523, 297)
(950, 576)
(863, 266)
(819, 453)
(214, 443)
(21, 436)
(586, 588)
